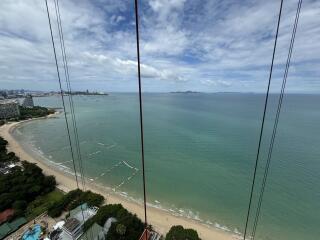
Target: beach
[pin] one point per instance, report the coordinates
(161, 220)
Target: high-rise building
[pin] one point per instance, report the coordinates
(9, 109)
(28, 101)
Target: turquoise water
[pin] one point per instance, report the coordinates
(200, 152)
(33, 234)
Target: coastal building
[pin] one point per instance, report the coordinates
(73, 227)
(7, 228)
(150, 235)
(9, 109)
(28, 101)
(95, 232)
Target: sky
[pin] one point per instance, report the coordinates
(197, 45)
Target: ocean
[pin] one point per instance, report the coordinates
(199, 153)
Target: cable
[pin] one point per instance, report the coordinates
(263, 121)
(284, 81)
(67, 78)
(71, 103)
(61, 93)
(141, 115)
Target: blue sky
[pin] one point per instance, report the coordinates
(199, 45)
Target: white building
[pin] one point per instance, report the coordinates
(28, 101)
(73, 227)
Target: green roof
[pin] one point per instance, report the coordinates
(78, 209)
(15, 224)
(4, 230)
(92, 233)
(8, 228)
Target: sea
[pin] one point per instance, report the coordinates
(200, 150)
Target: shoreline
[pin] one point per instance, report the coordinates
(160, 219)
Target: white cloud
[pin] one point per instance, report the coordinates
(196, 44)
(209, 82)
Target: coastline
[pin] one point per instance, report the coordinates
(158, 218)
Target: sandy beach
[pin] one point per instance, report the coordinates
(159, 219)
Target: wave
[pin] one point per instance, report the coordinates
(106, 145)
(127, 164)
(94, 153)
(178, 212)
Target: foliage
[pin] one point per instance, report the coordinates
(72, 200)
(22, 185)
(6, 157)
(43, 203)
(180, 233)
(92, 199)
(34, 112)
(121, 229)
(127, 227)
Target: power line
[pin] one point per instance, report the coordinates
(284, 81)
(263, 121)
(141, 117)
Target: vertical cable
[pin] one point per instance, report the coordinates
(71, 103)
(262, 122)
(62, 95)
(141, 115)
(284, 81)
(67, 78)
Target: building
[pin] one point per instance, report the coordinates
(7, 228)
(150, 235)
(95, 232)
(28, 101)
(73, 227)
(9, 109)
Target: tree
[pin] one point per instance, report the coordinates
(121, 229)
(73, 199)
(134, 226)
(180, 233)
(22, 185)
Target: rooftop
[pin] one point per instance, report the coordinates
(71, 224)
(8, 228)
(95, 232)
(82, 213)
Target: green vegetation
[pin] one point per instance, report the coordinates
(180, 233)
(22, 184)
(35, 112)
(43, 203)
(127, 227)
(72, 200)
(6, 157)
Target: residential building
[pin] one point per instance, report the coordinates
(95, 232)
(73, 227)
(28, 101)
(150, 235)
(7, 228)
(9, 109)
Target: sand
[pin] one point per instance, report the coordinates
(161, 220)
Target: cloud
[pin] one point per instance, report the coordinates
(193, 45)
(129, 67)
(209, 82)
